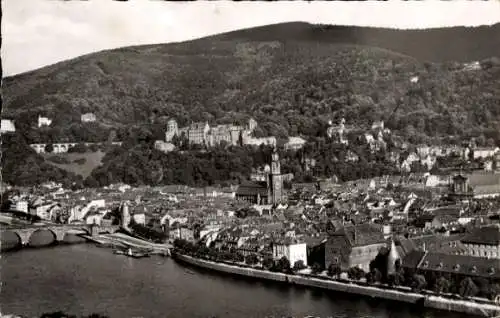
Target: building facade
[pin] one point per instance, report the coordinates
(354, 246)
(293, 251)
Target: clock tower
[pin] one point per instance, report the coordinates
(275, 184)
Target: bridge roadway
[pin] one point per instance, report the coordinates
(24, 233)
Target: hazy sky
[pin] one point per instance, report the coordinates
(41, 32)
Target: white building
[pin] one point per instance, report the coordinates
(88, 118)
(485, 152)
(139, 218)
(7, 126)
(44, 121)
(295, 143)
(20, 205)
(292, 250)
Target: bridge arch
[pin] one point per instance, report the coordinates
(42, 237)
(10, 240)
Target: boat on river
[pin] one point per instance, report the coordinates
(131, 253)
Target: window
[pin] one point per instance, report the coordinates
(426, 264)
(473, 269)
(456, 267)
(491, 271)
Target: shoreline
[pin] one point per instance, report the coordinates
(420, 300)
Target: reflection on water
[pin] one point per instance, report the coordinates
(81, 279)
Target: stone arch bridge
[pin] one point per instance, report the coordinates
(58, 230)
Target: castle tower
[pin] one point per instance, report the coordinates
(125, 215)
(275, 180)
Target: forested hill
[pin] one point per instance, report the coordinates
(435, 45)
(292, 78)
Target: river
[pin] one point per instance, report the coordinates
(84, 279)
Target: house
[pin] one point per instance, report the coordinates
(290, 248)
(88, 118)
(20, 205)
(354, 246)
(477, 185)
(295, 143)
(483, 242)
(44, 121)
(181, 232)
(7, 126)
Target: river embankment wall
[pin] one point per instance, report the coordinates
(425, 301)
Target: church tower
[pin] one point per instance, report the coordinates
(275, 180)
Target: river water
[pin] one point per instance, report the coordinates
(84, 279)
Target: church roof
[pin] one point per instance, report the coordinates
(252, 188)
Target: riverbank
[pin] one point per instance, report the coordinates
(423, 301)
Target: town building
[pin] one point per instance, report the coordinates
(477, 185)
(44, 121)
(290, 248)
(354, 246)
(20, 205)
(458, 267)
(483, 242)
(88, 118)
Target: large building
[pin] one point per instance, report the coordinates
(354, 246)
(202, 133)
(7, 126)
(292, 249)
(264, 192)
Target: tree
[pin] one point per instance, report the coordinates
(299, 265)
(442, 285)
(316, 268)
(418, 282)
(251, 259)
(334, 270)
(268, 262)
(355, 273)
(468, 288)
(49, 148)
(283, 265)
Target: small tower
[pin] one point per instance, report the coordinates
(125, 215)
(392, 258)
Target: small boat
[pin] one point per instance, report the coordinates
(119, 252)
(131, 253)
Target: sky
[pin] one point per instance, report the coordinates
(37, 33)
